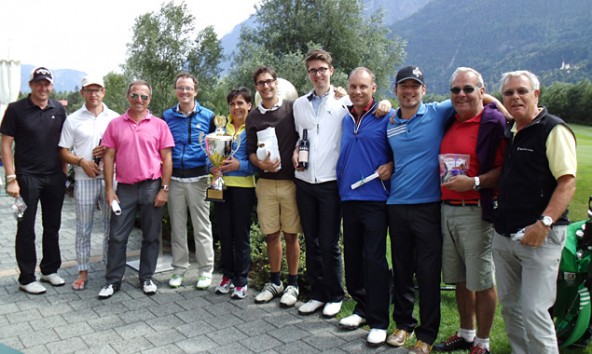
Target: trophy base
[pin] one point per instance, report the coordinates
(215, 195)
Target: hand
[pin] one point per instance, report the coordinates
(161, 199)
(340, 92)
(385, 171)
(230, 164)
(535, 234)
(90, 168)
(110, 196)
(99, 151)
(383, 108)
(13, 189)
(460, 183)
(269, 165)
(295, 160)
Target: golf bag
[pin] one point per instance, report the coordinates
(572, 311)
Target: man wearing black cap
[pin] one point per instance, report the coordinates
(415, 134)
(36, 173)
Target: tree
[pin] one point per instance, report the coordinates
(115, 90)
(162, 46)
(204, 61)
(286, 29)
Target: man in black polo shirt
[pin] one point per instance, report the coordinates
(36, 173)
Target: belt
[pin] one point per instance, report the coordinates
(468, 202)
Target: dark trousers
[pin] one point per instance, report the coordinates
(320, 216)
(416, 249)
(50, 191)
(233, 221)
(134, 198)
(366, 269)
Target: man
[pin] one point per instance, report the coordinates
(141, 144)
(275, 190)
(364, 152)
(467, 210)
(82, 132)
(536, 185)
(35, 173)
(189, 182)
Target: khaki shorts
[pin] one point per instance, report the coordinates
(276, 206)
(466, 251)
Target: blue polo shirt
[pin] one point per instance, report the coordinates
(415, 144)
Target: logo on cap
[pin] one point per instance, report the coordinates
(41, 73)
(417, 72)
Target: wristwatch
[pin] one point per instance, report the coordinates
(477, 184)
(546, 220)
(165, 187)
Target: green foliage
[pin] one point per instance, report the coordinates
(572, 102)
(115, 90)
(287, 29)
(162, 46)
(203, 61)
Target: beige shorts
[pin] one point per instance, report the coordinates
(466, 251)
(276, 206)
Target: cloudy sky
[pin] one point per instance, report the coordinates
(91, 36)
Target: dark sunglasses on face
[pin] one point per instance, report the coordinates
(134, 96)
(467, 89)
(521, 92)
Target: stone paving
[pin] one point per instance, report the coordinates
(185, 320)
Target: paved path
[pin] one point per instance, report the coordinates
(185, 320)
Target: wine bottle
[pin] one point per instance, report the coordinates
(303, 147)
(97, 160)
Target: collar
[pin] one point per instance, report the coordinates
(264, 110)
(366, 109)
(148, 115)
(474, 119)
(312, 94)
(196, 108)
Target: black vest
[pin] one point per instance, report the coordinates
(526, 183)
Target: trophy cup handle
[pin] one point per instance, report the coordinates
(201, 144)
(238, 144)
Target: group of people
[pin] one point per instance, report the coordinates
(372, 171)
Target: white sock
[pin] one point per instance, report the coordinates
(467, 334)
(483, 342)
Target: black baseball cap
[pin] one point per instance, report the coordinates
(410, 73)
(41, 73)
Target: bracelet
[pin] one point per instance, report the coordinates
(10, 178)
(79, 161)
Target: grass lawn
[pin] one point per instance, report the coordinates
(578, 208)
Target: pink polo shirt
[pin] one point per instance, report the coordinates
(138, 147)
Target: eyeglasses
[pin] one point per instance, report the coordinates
(91, 91)
(313, 72)
(135, 96)
(521, 92)
(266, 82)
(184, 88)
(467, 89)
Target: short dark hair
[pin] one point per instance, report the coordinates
(262, 70)
(318, 54)
(241, 91)
(185, 75)
(139, 83)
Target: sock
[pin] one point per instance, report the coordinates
(467, 334)
(293, 280)
(275, 278)
(483, 342)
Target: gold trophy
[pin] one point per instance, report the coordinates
(218, 147)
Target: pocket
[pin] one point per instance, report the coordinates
(557, 236)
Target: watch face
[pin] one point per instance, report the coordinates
(547, 221)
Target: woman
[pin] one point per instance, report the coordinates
(233, 217)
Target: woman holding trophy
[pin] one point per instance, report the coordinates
(233, 216)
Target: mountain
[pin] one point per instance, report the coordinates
(548, 37)
(65, 80)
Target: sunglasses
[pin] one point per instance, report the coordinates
(521, 92)
(467, 89)
(134, 96)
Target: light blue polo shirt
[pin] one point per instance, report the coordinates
(416, 144)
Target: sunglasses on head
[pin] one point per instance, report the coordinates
(467, 89)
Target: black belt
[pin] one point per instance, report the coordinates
(468, 202)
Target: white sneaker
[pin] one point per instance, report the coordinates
(204, 281)
(175, 281)
(310, 307)
(290, 296)
(270, 290)
(108, 290)
(376, 337)
(149, 288)
(331, 309)
(54, 279)
(34, 288)
(240, 292)
(225, 286)
(352, 322)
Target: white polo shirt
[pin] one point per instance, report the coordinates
(82, 131)
(324, 134)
